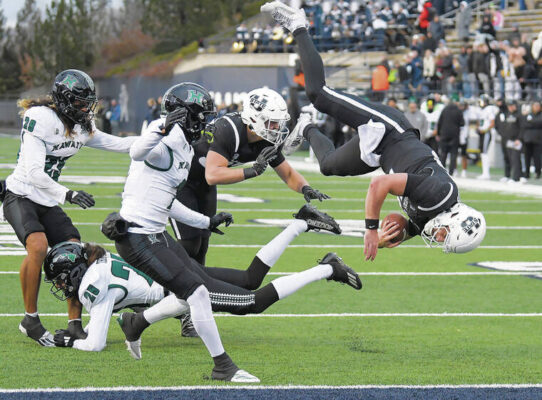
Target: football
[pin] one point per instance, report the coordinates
(401, 221)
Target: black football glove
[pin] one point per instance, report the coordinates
(313, 194)
(63, 338)
(267, 155)
(3, 190)
(177, 116)
(75, 329)
(216, 220)
(81, 198)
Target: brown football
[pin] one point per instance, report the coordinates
(401, 221)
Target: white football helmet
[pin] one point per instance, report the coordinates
(266, 113)
(466, 229)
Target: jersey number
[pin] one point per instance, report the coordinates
(29, 124)
(121, 269)
(91, 293)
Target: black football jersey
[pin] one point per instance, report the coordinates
(229, 139)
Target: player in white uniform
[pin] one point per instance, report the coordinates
(486, 123)
(54, 129)
(432, 110)
(161, 160)
(105, 283)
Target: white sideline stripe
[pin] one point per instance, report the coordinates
(273, 387)
(462, 273)
(331, 315)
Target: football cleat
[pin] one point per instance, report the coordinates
(341, 272)
(134, 348)
(295, 139)
(127, 322)
(234, 375)
(317, 220)
(32, 327)
(187, 327)
(286, 16)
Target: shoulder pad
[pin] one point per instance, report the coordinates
(94, 284)
(42, 122)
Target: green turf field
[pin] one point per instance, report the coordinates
(417, 328)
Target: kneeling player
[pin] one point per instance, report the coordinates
(105, 283)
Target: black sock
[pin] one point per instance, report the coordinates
(223, 362)
(264, 298)
(140, 322)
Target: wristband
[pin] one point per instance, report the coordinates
(249, 173)
(371, 224)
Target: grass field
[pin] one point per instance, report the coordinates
(399, 330)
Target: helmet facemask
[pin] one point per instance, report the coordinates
(66, 283)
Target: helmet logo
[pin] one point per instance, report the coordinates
(257, 103)
(69, 81)
(469, 224)
(64, 256)
(195, 97)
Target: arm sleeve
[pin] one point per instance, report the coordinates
(279, 159)
(34, 153)
(103, 141)
(100, 316)
(187, 216)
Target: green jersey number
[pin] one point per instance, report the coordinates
(121, 269)
(29, 124)
(54, 165)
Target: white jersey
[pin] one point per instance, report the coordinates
(469, 115)
(432, 120)
(160, 165)
(44, 151)
(110, 284)
(485, 116)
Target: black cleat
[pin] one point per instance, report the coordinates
(32, 327)
(317, 220)
(129, 324)
(341, 272)
(187, 327)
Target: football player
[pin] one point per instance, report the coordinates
(255, 134)
(54, 129)
(385, 139)
(105, 283)
(161, 159)
(485, 128)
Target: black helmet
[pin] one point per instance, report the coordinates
(198, 103)
(74, 96)
(65, 265)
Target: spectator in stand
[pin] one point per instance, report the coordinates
(536, 52)
(392, 102)
(379, 82)
(517, 57)
(463, 72)
(487, 26)
(448, 130)
(462, 21)
(416, 118)
(429, 70)
(508, 125)
(429, 43)
(531, 126)
(436, 29)
(445, 70)
(416, 71)
(426, 16)
(480, 66)
(497, 58)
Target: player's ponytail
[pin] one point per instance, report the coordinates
(93, 252)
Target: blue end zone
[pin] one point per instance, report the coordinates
(262, 393)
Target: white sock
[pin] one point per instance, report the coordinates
(485, 164)
(203, 320)
(168, 307)
(271, 252)
(287, 285)
(34, 314)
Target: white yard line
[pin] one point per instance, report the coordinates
(460, 273)
(342, 315)
(271, 387)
